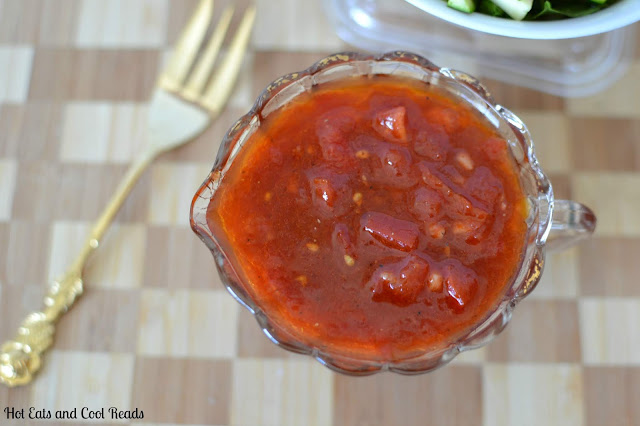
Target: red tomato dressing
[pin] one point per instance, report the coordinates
(374, 216)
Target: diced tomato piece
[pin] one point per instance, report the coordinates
(399, 283)
(372, 146)
(396, 160)
(454, 201)
(463, 207)
(335, 153)
(322, 190)
(432, 143)
(395, 169)
(413, 272)
(394, 233)
(461, 283)
(329, 134)
(432, 181)
(385, 163)
(427, 203)
(392, 124)
(466, 227)
(328, 191)
(470, 230)
(333, 131)
(453, 174)
(494, 147)
(484, 186)
(443, 116)
(341, 120)
(341, 240)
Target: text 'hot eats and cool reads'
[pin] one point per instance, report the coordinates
(34, 413)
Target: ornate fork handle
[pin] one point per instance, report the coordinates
(20, 357)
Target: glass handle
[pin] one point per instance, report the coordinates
(571, 223)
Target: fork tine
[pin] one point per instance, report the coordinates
(187, 47)
(222, 82)
(203, 68)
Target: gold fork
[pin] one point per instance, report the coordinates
(180, 109)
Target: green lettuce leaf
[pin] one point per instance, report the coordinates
(563, 9)
(490, 8)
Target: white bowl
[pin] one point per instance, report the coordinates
(618, 15)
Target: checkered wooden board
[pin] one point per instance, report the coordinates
(155, 329)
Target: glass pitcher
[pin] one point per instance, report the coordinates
(551, 224)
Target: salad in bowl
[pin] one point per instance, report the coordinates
(531, 10)
(535, 19)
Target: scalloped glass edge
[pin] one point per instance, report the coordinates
(537, 188)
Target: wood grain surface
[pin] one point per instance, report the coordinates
(157, 332)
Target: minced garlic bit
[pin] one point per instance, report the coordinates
(362, 154)
(437, 231)
(313, 247)
(435, 281)
(302, 279)
(350, 261)
(464, 159)
(268, 196)
(357, 198)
